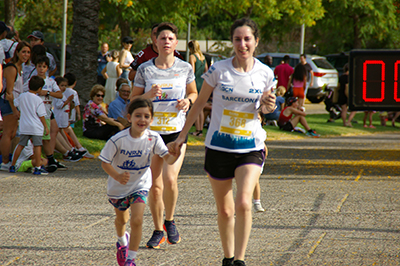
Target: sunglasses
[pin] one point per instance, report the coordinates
(100, 95)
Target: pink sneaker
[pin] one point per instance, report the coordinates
(122, 252)
(130, 263)
(371, 126)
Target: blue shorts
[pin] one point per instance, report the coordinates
(124, 203)
(5, 107)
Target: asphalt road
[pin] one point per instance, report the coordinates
(328, 201)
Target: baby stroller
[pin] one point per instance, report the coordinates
(332, 108)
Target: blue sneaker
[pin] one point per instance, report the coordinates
(130, 263)
(40, 171)
(122, 251)
(172, 232)
(156, 239)
(312, 133)
(12, 169)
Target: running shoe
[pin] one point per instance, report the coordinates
(40, 171)
(130, 263)
(312, 133)
(60, 166)
(88, 155)
(12, 169)
(72, 157)
(227, 262)
(239, 263)
(5, 166)
(258, 207)
(156, 239)
(122, 252)
(80, 153)
(172, 232)
(51, 168)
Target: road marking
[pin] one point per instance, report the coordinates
(99, 221)
(316, 244)
(359, 175)
(333, 162)
(8, 177)
(341, 203)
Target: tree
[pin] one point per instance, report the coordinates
(84, 44)
(9, 8)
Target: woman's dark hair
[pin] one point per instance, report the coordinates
(139, 103)
(19, 47)
(245, 22)
(37, 51)
(300, 72)
(346, 67)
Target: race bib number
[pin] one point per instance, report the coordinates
(237, 123)
(165, 117)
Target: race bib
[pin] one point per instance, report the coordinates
(165, 117)
(237, 123)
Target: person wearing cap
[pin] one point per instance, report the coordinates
(288, 122)
(37, 37)
(3, 33)
(117, 107)
(125, 56)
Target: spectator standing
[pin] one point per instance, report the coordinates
(9, 44)
(111, 72)
(234, 150)
(102, 60)
(199, 64)
(117, 108)
(268, 60)
(283, 72)
(298, 81)
(32, 124)
(12, 88)
(310, 73)
(148, 53)
(343, 96)
(37, 37)
(170, 83)
(3, 33)
(129, 177)
(125, 57)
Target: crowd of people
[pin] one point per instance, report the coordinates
(140, 106)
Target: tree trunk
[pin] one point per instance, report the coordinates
(10, 10)
(356, 29)
(84, 45)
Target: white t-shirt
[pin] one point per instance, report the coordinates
(31, 107)
(67, 93)
(167, 118)
(133, 155)
(8, 45)
(25, 154)
(2, 54)
(61, 114)
(49, 85)
(234, 123)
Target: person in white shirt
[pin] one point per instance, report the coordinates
(170, 83)
(32, 123)
(241, 86)
(126, 159)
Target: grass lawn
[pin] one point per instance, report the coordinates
(316, 121)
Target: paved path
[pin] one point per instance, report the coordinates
(329, 201)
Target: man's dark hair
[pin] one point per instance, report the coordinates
(303, 55)
(71, 78)
(286, 59)
(167, 26)
(35, 83)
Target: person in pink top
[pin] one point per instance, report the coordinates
(299, 81)
(283, 72)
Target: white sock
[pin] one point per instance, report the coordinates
(131, 255)
(256, 201)
(122, 240)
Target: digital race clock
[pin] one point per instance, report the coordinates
(374, 80)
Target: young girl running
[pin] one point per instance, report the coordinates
(126, 159)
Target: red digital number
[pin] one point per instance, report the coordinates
(365, 65)
(396, 86)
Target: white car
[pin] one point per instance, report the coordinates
(324, 72)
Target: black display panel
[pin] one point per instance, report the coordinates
(374, 80)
